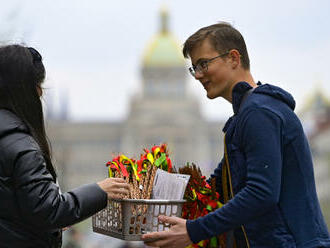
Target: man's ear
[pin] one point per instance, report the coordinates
(235, 58)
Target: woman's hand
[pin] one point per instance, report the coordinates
(116, 188)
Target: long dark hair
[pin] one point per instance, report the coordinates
(21, 75)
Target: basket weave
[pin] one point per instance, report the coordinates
(128, 219)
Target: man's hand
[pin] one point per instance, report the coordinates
(176, 237)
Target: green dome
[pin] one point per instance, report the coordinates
(163, 50)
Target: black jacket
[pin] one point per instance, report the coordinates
(32, 209)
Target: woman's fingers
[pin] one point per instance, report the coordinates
(116, 196)
(114, 186)
(121, 185)
(120, 191)
(116, 179)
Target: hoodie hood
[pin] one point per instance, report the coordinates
(9, 123)
(278, 93)
(267, 89)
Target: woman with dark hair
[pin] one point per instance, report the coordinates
(32, 209)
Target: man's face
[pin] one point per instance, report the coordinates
(217, 79)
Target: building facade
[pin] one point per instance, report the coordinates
(315, 118)
(163, 112)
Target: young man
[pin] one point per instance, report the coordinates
(266, 177)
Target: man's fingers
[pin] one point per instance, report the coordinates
(154, 235)
(157, 243)
(156, 239)
(168, 219)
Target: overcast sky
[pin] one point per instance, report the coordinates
(93, 49)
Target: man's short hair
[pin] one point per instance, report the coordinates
(223, 37)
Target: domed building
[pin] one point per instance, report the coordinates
(163, 112)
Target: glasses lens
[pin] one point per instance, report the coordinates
(192, 71)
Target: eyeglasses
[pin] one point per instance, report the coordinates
(202, 66)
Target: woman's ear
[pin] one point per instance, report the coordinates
(39, 90)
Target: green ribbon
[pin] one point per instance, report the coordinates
(214, 242)
(160, 160)
(208, 207)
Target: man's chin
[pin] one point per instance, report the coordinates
(210, 96)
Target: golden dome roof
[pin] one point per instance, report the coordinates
(163, 50)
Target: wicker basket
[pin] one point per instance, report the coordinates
(128, 219)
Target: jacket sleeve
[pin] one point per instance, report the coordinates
(40, 202)
(261, 141)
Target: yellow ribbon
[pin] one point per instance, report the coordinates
(194, 194)
(123, 158)
(150, 158)
(110, 172)
(134, 166)
(156, 151)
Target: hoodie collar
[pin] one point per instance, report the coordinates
(238, 93)
(239, 90)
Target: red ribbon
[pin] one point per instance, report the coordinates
(123, 170)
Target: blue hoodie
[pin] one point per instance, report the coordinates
(272, 176)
